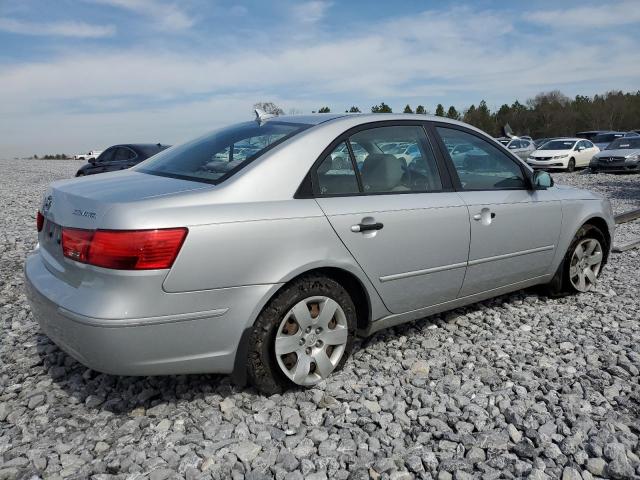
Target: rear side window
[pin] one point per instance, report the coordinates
(392, 159)
(484, 166)
(335, 174)
(216, 156)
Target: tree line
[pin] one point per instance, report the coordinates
(548, 114)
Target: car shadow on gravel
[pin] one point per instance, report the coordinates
(124, 394)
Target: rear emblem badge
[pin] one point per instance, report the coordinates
(47, 204)
(84, 213)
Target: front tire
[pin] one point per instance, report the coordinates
(304, 334)
(582, 264)
(571, 166)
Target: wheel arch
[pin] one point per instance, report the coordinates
(602, 225)
(362, 299)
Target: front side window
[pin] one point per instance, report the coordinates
(218, 155)
(106, 156)
(483, 166)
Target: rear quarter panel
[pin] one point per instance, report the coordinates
(266, 247)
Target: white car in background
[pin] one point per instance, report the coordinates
(522, 147)
(91, 154)
(563, 153)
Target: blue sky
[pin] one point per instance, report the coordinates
(81, 74)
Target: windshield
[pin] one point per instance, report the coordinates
(606, 137)
(624, 144)
(558, 145)
(216, 156)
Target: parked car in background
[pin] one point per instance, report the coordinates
(503, 140)
(91, 154)
(590, 134)
(120, 157)
(563, 153)
(522, 147)
(622, 155)
(603, 140)
(268, 266)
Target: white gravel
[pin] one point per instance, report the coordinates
(518, 386)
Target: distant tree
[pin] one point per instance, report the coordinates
(324, 110)
(58, 156)
(35, 157)
(440, 110)
(382, 108)
(269, 107)
(354, 109)
(453, 113)
(407, 109)
(421, 110)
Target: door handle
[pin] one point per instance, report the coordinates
(478, 216)
(365, 227)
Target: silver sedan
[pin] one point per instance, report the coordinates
(253, 251)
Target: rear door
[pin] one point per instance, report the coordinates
(514, 230)
(400, 220)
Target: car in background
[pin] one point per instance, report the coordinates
(563, 153)
(120, 157)
(622, 155)
(88, 156)
(603, 140)
(503, 140)
(522, 147)
(590, 134)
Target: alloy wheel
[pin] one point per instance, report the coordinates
(585, 265)
(311, 340)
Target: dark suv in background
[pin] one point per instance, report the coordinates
(120, 157)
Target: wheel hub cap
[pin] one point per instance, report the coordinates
(585, 265)
(311, 340)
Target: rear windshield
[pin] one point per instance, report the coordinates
(558, 145)
(149, 150)
(606, 137)
(218, 155)
(624, 143)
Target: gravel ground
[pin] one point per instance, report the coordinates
(518, 386)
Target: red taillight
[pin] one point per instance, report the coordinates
(39, 221)
(124, 249)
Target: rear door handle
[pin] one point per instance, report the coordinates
(365, 227)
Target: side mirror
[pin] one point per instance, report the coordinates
(92, 160)
(542, 180)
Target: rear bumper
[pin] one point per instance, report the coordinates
(192, 342)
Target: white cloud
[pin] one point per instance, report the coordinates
(63, 29)
(455, 56)
(165, 15)
(310, 12)
(589, 16)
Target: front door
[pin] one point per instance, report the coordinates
(399, 219)
(514, 230)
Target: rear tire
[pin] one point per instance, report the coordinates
(304, 334)
(571, 166)
(572, 276)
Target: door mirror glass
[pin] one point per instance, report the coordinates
(542, 180)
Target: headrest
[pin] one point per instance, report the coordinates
(381, 172)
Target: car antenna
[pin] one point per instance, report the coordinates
(262, 116)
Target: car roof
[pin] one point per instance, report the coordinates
(569, 139)
(360, 118)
